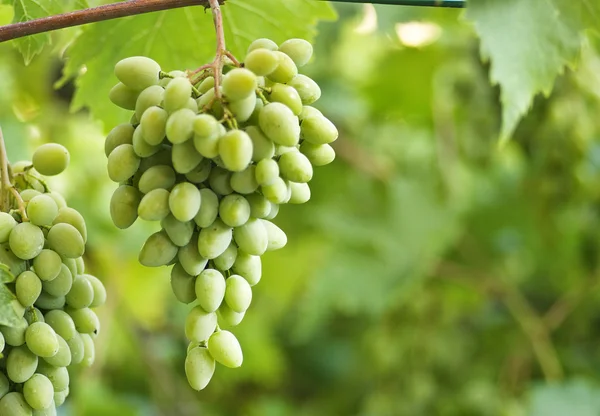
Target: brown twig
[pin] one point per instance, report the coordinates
(6, 185)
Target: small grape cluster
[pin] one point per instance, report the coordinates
(41, 244)
(213, 162)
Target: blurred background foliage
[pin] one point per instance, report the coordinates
(434, 272)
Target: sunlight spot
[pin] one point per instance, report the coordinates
(418, 34)
(369, 22)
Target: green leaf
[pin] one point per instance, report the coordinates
(7, 13)
(8, 305)
(573, 398)
(178, 39)
(6, 275)
(529, 43)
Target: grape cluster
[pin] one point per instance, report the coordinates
(41, 245)
(213, 163)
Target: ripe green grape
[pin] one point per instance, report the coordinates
(228, 317)
(123, 96)
(73, 217)
(7, 257)
(219, 181)
(252, 237)
(157, 177)
(276, 192)
(318, 130)
(121, 134)
(200, 173)
(137, 72)
(41, 339)
(182, 284)
(190, 259)
(300, 193)
(296, 167)
(199, 324)
(235, 149)
(123, 163)
(184, 201)
(260, 206)
(7, 223)
(210, 289)
(50, 159)
(60, 285)
(286, 69)
(209, 208)
(149, 97)
(185, 157)
(262, 147)
(299, 50)
(154, 206)
(206, 84)
(38, 392)
(27, 288)
(14, 404)
(58, 376)
(308, 90)
(60, 397)
(47, 265)
(154, 125)
(177, 94)
(199, 367)
(277, 238)
(124, 205)
(47, 301)
(99, 291)
(179, 232)
(77, 348)
(63, 357)
(279, 124)
(62, 323)
(227, 258)
(141, 146)
(243, 109)
(244, 182)
(261, 61)
(318, 154)
(239, 83)
(66, 240)
(214, 240)
(26, 240)
(180, 125)
(81, 294)
(225, 349)
(158, 250)
(249, 267)
(238, 293)
(21, 364)
(4, 383)
(287, 95)
(15, 335)
(267, 172)
(173, 74)
(205, 125)
(262, 43)
(86, 321)
(234, 210)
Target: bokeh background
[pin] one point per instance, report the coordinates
(434, 271)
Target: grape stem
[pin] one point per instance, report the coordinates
(6, 184)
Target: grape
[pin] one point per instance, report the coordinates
(205, 125)
(279, 124)
(192, 105)
(177, 94)
(58, 376)
(206, 85)
(318, 130)
(277, 238)
(124, 205)
(308, 90)
(14, 404)
(38, 392)
(4, 384)
(287, 95)
(286, 69)
(243, 109)
(210, 289)
(7, 223)
(234, 210)
(123, 96)
(185, 157)
(200, 173)
(184, 201)
(63, 357)
(225, 349)
(27, 288)
(277, 192)
(49, 411)
(209, 208)
(28, 194)
(238, 84)
(299, 50)
(26, 240)
(71, 216)
(62, 323)
(235, 149)
(60, 285)
(190, 259)
(59, 199)
(267, 172)
(66, 240)
(150, 97)
(47, 265)
(154, 206)
(77, 349)
(182, 284)
(173, 74)
(252, 237)
(296, 167)
(249, 267)
(260, 206)
(262, 43)
(227, 258)
(180, 125)
(85, 320)
(318, 154)
(300, 193)
(141, 146)
(228, 317)
(262, 147)
(245, 182)
(15, 335)
(157, 177)
(99, 291)
(154, 125)
(47, 301)
(199, 367)
(281, 150)
(41, 210)
(162, 157)
(121, 134)
(158, 250)
(60, 397)
(214, 240)
(21, 364)
(41, 339)
(179, 232)
(7, 257)
(238, 293)
(81, 294)
(261, 61)
(2, 345)
(137, 72)
(219, 181)
(253, 120)
(123, 162)
(199, 324)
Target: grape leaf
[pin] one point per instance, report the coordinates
(178, 39)
(8, 315)
(529, 43)
(6, 275)
(6, 14)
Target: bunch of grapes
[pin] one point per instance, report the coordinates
(41, 244)
(213, 161)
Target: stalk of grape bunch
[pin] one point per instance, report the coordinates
(212, 156)
(42, 241)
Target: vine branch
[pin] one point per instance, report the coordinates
(6, 185)
(95, 14)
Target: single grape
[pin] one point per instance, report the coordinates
(180, 126)
(81, 294)
(199, 367)
(279, 124)
(252, 237)
(61, 284)
(47, 265)
(249, 267)
(234, 210)
(21, 364)
(58, 376)
(185, 157)
(50, 159)
(123, 96)
(184, 201)
(123, 163)
(41, 339)
(214, 240)
(86, 321)
(141, 146)
(300, 193)
(15, 335)
(62, 323)
(27, 288)
(227, 258)
(124, 205)
(179, 232)
(4, 383)
(60, 397)
(47, 301)
(235, 149)
(77, 348)
(318, 130)
(318, 154)
(59, 199)
(154, 125)
(299, 50)
(287, 95)
(42, 210)
(157, 177)
(63, 357)
(158, 250)
(177, 94)
(7, 223)
(73, 217)
(261, 61)
(277, 238)
(137, 72)
(262, 43)
(276, 192)
(225, 349)
(14, 404)
(227, 317)
(238, 293)
(267, 172)
(200, 173)
(308, 90)
(26, 240)
(99, 291)
(210, 289)
(206, 85)
(66, 240)
(154, 206)
(239, 83)
(150, 97)
(15, 264)
(260, 206)
(162, 157)
(209, 208)
(308, 111)
(121, 134)
(219, 181)
(182, 284)
(243, 109)
(296, 167)
(286, 69)
(190, 259)
(244, 182)
(38, 392)
(199, 324)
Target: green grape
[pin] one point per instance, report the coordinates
(308, 111)
(99, 291)
(238, 293)
(47, 265)
(277, 192)
(123, 163)
(257, 107)
(227, 258)
(177, 94)
(180, 127)
(33, 314)
(214, 240)
(14, 404)
(244, 182)
(260, 206)
(179, 232)
(296, 167)
(249, 267)
(4, 383)
(150, 97)
(318, 154)
(27, 288)
(123, 96)
(318, 130)
(41, 339)
(262, 43)
(154, 125)
(209, 208)
(89, 351)
(21, 364)
(141, 146)
(86, 321)
(158, 250)
(62, 323)
(7, 223)
(235, 149)
(162, 157)
(279, 124)
(124, 205)
(261, 61)
(154, 206)
(42, 210)
(225, 349)
(184, 201)
(219, 181)
(281, 150)
(234, 210)
(121, 134)
(299, 50)
(267, 172)
(252, 237)
(26, 240)
(182, 284)
(185, 157)
(286, 69)
(80, 265)
(73, 217)
(2, 345)
(277, 238)
(77, 349)
(207, 102)
(137, 72)
(192, 105)
(157, 177)
(200, 173)
(16, 265)
(173, 74)
(49, 411)
(61, 284)
(47, 301)
(308, 90)
(66, 240)
(63, 357)
(58, 376)
(287, 95)
(199, 367)
(190, 259)
(210, 289)
(228, 317)
(81, 294)
(134, 120)
(300, 193)
(38, 392)
(238, 84)
(274, 211)
(59, 199)
(15, 335)
(207, 131)
(206, 85)
(199, 324)
(60, 397)
(243, 109)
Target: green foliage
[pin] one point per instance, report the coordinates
(8, 314)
